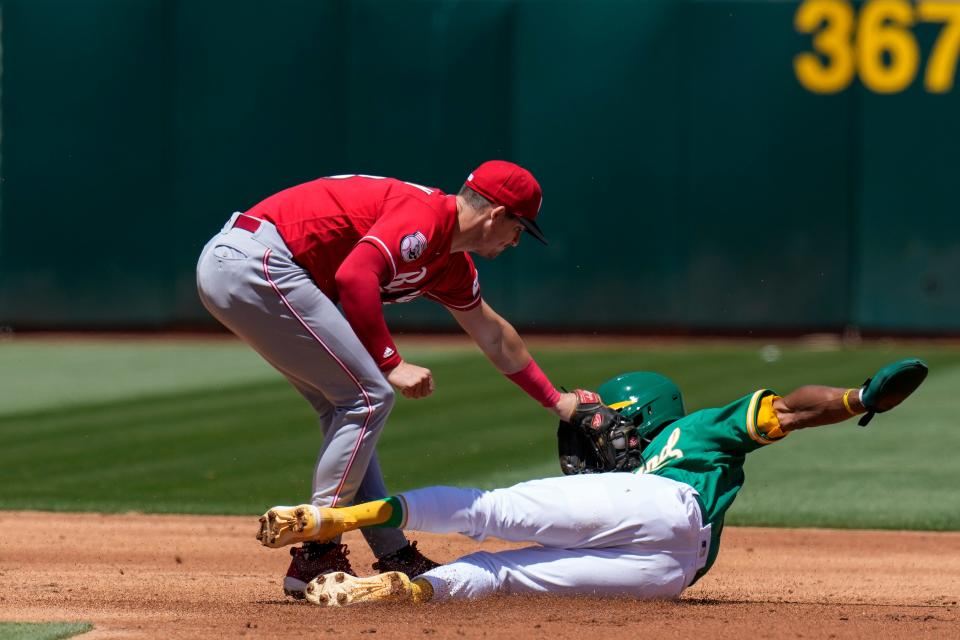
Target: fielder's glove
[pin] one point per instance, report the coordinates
(890, 386)
(577, 453)
(595, 440)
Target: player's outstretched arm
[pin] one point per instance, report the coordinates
(504, 347)
(815, 406)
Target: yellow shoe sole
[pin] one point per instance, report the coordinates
(282, 526)
(340, 589)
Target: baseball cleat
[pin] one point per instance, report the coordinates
(314, 559)
(407, 560)
(281, 526)
(341, 589)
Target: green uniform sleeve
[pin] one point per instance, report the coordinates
(734, 428)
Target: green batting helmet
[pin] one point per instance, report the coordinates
(649, 399)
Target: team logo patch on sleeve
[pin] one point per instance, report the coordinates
(412, 246)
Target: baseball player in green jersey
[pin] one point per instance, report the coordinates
(638, 512)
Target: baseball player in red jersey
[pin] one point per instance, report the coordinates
(275, 274)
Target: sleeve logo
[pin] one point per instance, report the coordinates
(668, 454)
(412, 246)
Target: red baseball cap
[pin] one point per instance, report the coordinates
(510, 185)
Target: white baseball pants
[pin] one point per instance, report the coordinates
(599, 534)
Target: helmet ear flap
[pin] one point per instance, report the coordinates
(628, 447)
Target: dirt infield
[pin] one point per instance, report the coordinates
(137, 576)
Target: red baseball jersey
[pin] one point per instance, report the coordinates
(411, 225)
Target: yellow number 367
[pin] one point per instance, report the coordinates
(880, 46)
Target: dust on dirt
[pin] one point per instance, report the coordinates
(171, 577)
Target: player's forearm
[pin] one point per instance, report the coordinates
(523, 370)
(497, 339)
(504, 347)
(359, 290)
(508, 353)
(814, 406)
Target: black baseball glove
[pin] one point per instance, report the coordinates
(597, 439)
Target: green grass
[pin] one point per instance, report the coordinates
(42, 630)
(199, 427)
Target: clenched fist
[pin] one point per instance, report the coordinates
(411, 380)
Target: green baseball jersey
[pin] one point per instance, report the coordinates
(706, 450)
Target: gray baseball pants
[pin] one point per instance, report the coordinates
(250, 283)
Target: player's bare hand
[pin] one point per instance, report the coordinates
(566, 406)
(411, 380)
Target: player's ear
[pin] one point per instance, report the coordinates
(498, 212)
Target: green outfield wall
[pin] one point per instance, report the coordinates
(720, 165)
